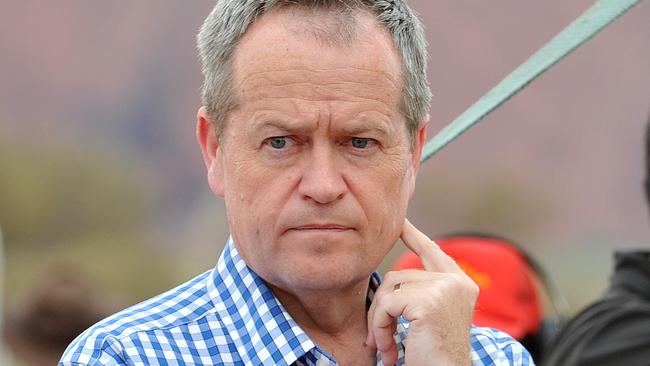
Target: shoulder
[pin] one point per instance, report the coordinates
(143, 328)
(610, 330)
(615, 318)
(493, 347)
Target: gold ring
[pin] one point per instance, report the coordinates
(397, 288)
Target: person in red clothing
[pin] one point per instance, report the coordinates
(510, 282)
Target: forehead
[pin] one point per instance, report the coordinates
(278, 45)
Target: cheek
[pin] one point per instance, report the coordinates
(391, 177)
(383, 192)
(255, 191)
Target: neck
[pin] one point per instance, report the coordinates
(335, 320)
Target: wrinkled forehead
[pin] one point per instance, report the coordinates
(304, 38)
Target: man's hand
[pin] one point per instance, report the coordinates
(438, 302)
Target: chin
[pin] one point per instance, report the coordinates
(323, 274)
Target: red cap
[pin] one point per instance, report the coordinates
(508, 298)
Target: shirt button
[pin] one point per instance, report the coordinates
(322, 362)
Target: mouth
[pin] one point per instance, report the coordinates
(320, 227)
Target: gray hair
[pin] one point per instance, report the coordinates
(230, 19)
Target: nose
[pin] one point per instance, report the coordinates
(322, 180)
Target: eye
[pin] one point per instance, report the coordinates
(277, 142)
(360, 143)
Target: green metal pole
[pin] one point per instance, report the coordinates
(4, 358)
(592, 21)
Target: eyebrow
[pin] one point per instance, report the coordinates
(294, 126)
(357, 128)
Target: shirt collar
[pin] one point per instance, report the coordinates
(255, 319)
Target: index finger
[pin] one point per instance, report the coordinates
(432, 257)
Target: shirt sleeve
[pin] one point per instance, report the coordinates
(493, 347)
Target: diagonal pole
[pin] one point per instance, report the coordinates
(592, 21)
(3, 355)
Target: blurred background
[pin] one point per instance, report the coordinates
(103, 197)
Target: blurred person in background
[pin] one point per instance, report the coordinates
(615, 329)
(38, 329)
(312, 128)
(512, 287)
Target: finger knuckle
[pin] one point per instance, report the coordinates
(473, 289)
(453, 281)
(390, 276)
(380, 296)
(385, 344)
(423, 312)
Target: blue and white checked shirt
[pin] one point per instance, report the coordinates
(228, 316)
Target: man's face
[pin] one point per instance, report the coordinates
(315, 164)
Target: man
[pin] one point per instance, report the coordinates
(312, 127)
(615, 330)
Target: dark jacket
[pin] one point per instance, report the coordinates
(614, 330)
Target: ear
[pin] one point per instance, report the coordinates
(420, 140)
(211, 150)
